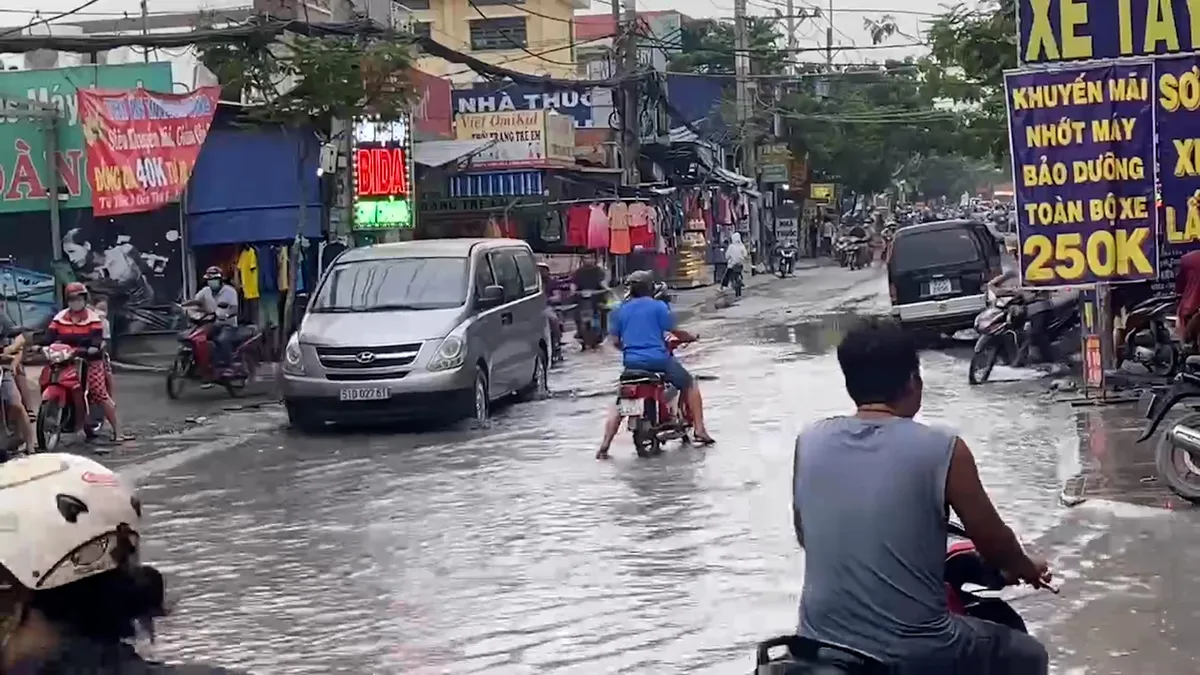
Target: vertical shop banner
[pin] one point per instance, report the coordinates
(1178, 99)
(142, 145)
(1083, 160)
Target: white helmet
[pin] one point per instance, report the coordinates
(64, 518)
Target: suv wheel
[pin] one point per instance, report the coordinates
(539, 386)
(482, 403)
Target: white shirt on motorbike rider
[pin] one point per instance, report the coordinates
(736, 253)
(228, 295)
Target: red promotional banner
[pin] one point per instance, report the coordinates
(142, 145)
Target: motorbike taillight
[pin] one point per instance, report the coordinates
(628, 391)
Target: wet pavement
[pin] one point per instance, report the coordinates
(510, 549)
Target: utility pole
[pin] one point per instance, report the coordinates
(341, 135)
(829, 39)
(145, 28)
(792, 43)
(626, 64)
(745, 99)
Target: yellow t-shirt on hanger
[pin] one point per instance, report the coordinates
(247, 267)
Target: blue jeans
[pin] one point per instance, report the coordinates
(222, 338)
(674, 371)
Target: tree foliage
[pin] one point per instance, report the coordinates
(708, 47)
(861, 125)
(929, 177)
(970, 48)
(310, 81)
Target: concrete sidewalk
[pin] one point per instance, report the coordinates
(145, 409)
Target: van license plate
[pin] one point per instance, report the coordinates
(630, 407)
(940, 287)
(365, 394)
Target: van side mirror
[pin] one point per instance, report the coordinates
(491, 296)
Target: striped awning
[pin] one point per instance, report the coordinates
(497, 184)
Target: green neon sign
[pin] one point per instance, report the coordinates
(378, 214)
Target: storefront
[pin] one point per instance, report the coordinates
(253, 194)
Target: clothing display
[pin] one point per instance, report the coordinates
(578, 217)
(641, 225)
(247, 273)
(618, 229)
(597, 228)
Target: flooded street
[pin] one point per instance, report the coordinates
(511, 550)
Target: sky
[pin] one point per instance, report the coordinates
(848, 18)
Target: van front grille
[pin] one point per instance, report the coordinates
(378, 359)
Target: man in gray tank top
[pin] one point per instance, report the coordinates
(871, 494)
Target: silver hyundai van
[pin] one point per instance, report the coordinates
(430, 329)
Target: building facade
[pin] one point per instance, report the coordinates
(531, 36)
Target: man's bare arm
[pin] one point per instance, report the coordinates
(995, 541)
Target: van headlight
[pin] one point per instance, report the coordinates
(292, 356)
(450, 354)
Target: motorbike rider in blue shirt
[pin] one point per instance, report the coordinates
(639, 328)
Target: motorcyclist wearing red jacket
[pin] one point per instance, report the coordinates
(81, 327)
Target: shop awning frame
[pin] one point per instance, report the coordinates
(441, 153)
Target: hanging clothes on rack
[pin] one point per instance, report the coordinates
(578, 218)
(597, 228)
(641, 231)
(268, 285)
(618, 229)
(247, 281)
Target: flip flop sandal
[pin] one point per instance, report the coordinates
(704, 441)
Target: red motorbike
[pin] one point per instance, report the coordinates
(971, 590)
(655, 411)
(64, 408)
(194, 359)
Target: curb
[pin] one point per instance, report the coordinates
(126, 367)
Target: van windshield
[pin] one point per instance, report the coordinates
(936, 248)
(395, 283)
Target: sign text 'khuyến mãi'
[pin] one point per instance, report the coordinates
(142, 145)
(1083, 160)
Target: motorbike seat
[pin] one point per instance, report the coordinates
(633, 375)
(1193, 361)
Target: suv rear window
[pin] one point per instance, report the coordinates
(934, 248)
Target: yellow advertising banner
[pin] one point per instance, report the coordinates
(821, 192)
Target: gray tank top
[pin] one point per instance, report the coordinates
(872, 504)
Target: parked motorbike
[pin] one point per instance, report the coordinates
(1177, 456)
(787, 261)
(1150, 335)
(194, 358)
(588, 326)
(1004, 335)
(654, 410)
(972, 587)
(64, 408)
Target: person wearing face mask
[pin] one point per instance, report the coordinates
(73, 590)
(221, 300)
(82, 327)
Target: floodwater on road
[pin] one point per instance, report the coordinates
(512, 550)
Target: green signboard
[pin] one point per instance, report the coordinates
(23, 179)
